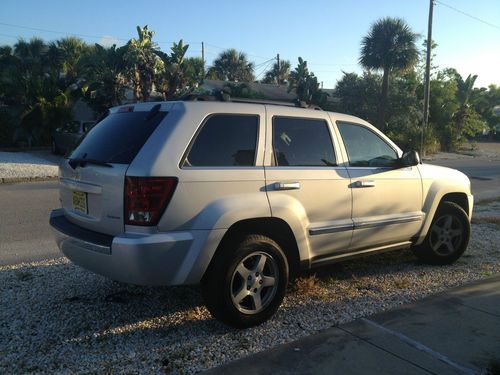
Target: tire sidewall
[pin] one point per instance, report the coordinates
(449, 208)
(229, 313)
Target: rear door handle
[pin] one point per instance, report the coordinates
(286, 185)
(364, 184)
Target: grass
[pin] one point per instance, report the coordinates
(309, 286)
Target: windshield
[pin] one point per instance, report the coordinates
(118, 137)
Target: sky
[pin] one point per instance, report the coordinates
(327, 34)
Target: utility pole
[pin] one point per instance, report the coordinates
(203, 53)
(427, 79)
(278, 75)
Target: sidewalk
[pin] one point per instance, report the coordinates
(457, 332)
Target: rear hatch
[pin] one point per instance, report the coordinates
(92, 176)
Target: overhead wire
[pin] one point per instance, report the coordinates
(468, 14)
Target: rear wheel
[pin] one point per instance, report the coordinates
(448, 236)
(246, 283)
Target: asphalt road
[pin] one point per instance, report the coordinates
(483, 173)
(25, 234)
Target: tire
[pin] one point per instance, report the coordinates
(241, 275)
(448, 236)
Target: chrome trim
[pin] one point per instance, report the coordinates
(364, 224)
(80, 186)
(396, 220)
(286, 185)
(356, 253)
(331, 229)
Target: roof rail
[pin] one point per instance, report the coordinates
(224, 97)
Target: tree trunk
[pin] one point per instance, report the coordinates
(383, 100)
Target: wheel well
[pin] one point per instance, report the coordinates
(274, 228)
(458, 198)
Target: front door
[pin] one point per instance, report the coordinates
(303, 176)
(387, 200)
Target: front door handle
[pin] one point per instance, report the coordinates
(364, 184)
(286, 185)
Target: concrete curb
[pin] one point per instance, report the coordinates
(16, 180)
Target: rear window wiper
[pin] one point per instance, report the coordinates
(81, 162)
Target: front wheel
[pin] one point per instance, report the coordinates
(448, 236)
(246, 282)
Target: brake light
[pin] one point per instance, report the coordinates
(129, 108)
(146, 199)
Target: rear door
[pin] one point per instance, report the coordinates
(303, 174)
(387, 199)
(91, 192)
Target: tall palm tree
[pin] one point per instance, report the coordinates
(144, 62)
(232, 65)
(390, 47)
(278, 74)
(70, 51)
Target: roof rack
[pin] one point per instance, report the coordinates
(224, 97)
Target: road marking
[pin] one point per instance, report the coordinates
(419, 346)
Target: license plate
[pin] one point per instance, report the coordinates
(80, 201)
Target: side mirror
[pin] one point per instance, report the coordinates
(409, 159)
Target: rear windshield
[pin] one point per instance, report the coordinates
(118, 137)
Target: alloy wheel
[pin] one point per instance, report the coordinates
(446, 235)
(254, 282)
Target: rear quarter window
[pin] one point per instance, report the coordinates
(224, 141)
(118, 137)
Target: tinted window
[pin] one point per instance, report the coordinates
(302, 142)
(118, 137)
(225, 140)
(365, 148)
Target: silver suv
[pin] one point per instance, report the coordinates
(240, 197)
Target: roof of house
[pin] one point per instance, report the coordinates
(269, 91)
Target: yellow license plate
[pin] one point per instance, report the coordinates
(80, 201)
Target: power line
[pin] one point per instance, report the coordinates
(248, 54)
(74, 34)
(468, 15)
(263, 70)
(265, 62)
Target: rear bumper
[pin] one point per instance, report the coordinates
(173, 258)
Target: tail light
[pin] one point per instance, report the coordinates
(146, 199)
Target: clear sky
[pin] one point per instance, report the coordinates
(325, 33)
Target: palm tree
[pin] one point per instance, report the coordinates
(278, 74)
(232, 65)
(390, 47)
(70, 51)
(144, 62)
(465, 117)
(105, 72)
(179, 73)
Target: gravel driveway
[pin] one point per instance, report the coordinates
(56, 317)
(24, 165)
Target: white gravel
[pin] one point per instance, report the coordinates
(58, 318)
(25, 165)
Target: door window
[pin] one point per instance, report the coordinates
(300, 142)
(365, 148)
(225, 140)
